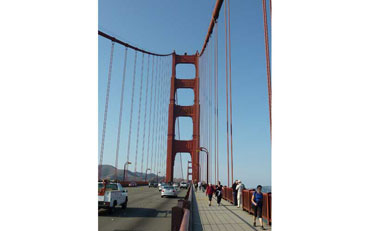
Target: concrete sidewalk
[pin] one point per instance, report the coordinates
(223, 217)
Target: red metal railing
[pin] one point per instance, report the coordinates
(227, 194)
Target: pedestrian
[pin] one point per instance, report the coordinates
(204, 186)
(239, 189)
(257, 199)
(209, 192)
(200, 185)
(196, 186)
(218, 193)
(234, 191)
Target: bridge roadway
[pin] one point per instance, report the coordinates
(146, 210)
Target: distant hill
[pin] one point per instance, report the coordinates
(108, 173)
(109, 170)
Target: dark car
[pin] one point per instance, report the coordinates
(152, 185)
(132, 184)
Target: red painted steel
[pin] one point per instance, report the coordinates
(247, 203)
(215, 14)
(176, 146)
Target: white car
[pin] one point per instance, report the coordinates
(183, 185)
(168, 191)
(110, 195)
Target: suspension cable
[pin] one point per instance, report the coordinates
(106, 111)
(146, 104)
(150, 117)
(113, 39)
(231, 108)
(154, 115)
(120, 116)
(215, 102)
(132, 108)
(267, 60)
(227, 98)
(138, 120)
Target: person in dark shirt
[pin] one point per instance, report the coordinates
(218, 193)
(235, 192)
(257, 199)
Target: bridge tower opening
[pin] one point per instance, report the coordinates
(191, 146)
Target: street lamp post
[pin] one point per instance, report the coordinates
(157, 176)
(203, 149)
(124, 170)
(146, 173)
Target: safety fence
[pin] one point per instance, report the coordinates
(227, 194)
(182, 213)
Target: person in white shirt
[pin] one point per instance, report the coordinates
(239, 189)
(199, 185)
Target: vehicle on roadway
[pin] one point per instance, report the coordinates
(183, 185)
(152, 185)
(176, 186)
(110, 195)
(168, 191)
(132, 184)
(161, 185)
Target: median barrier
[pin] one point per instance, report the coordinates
(181, 214)
(138, 183)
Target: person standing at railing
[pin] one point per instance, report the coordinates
(218, 193)
(209, 192)
(257, 199)
(234, 191)
(239, 189)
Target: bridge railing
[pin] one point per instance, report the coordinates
(181, 214)
(227, 194)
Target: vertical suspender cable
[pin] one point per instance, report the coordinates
(214, 100)
(120, 115)
(138, 120)
(132, 108)
(231, 102)
(216, 94)
(106, 111)
(146, 104)
(227, 99)
(217, 137)
(154, 114)
(267, 60)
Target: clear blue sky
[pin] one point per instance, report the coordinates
(164, 26)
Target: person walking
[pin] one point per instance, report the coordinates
(209, 192)
(234, 191)
(257, 199)
(196, 186)
(199, 185)
(239, 189)
(218, 193)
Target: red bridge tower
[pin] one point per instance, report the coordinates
(190, 146)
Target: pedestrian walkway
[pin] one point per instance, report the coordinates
(223, 217)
